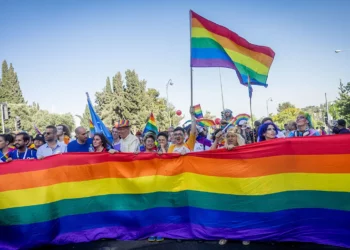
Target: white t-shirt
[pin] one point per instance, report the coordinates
(181, 149)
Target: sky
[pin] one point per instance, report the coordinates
(61, 49)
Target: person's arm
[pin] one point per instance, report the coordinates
(192, 137)
(216, 142)
(171, 148)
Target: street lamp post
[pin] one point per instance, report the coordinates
(267, 105)
(170, 82)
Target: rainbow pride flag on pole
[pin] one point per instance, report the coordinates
(198, 111)
(283, 190)
(213, 45)
(151, 125)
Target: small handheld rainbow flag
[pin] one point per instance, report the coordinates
(92, 128)
(198, 111)
(205, 122)
(241, 117)
(151, 125)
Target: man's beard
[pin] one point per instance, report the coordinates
(19, 146)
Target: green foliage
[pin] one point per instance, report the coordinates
(10, 90)
(283, 106)
(343, 101)
(11, 93)
(84, 120)
(317, 114)
(286, 115)
(133, 101)
(31, 115)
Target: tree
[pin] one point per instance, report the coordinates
(343, 101)
(29, 115)
(285, 116)
(284, 105)
(84, 120)
(317, 113)
(133, 101)
(10, 90)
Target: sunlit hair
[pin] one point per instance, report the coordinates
(234, 132)
(66, 130)
(263, 129)
(308, 118)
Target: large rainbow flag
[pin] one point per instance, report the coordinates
(286, 190)
(213, 45)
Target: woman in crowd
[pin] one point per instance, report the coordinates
(149, 141)
(163, 145)
(116, 139)
(292, 126)
(100, 143)
(39, 140)
(232, 139)
(4, 147)
(304, 127)
(267, 131)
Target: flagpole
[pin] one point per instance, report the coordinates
(222, 92)
(251, 110)
(191, 59)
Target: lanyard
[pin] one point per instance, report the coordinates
(25, 154)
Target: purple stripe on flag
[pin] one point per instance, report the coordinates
(215, 63)
(194, 231)
(212, 63)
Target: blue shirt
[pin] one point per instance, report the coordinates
(45, 150)
(74, 146)
(30, 154)
(311, 132)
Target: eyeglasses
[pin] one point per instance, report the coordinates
(48, 133)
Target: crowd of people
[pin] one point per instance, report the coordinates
(182, 140)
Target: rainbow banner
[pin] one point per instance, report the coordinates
(284, 190)
(213, 45)
(151, 125)
(198, 111)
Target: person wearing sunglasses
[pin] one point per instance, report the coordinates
(304, 127)
(52, 146)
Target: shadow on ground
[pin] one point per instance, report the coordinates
(186, 245)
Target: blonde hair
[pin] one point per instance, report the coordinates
(234, 131)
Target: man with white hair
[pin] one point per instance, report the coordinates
(128, 142)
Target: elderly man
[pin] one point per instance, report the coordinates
(128, 142)
(52, 145)
(82, 144)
